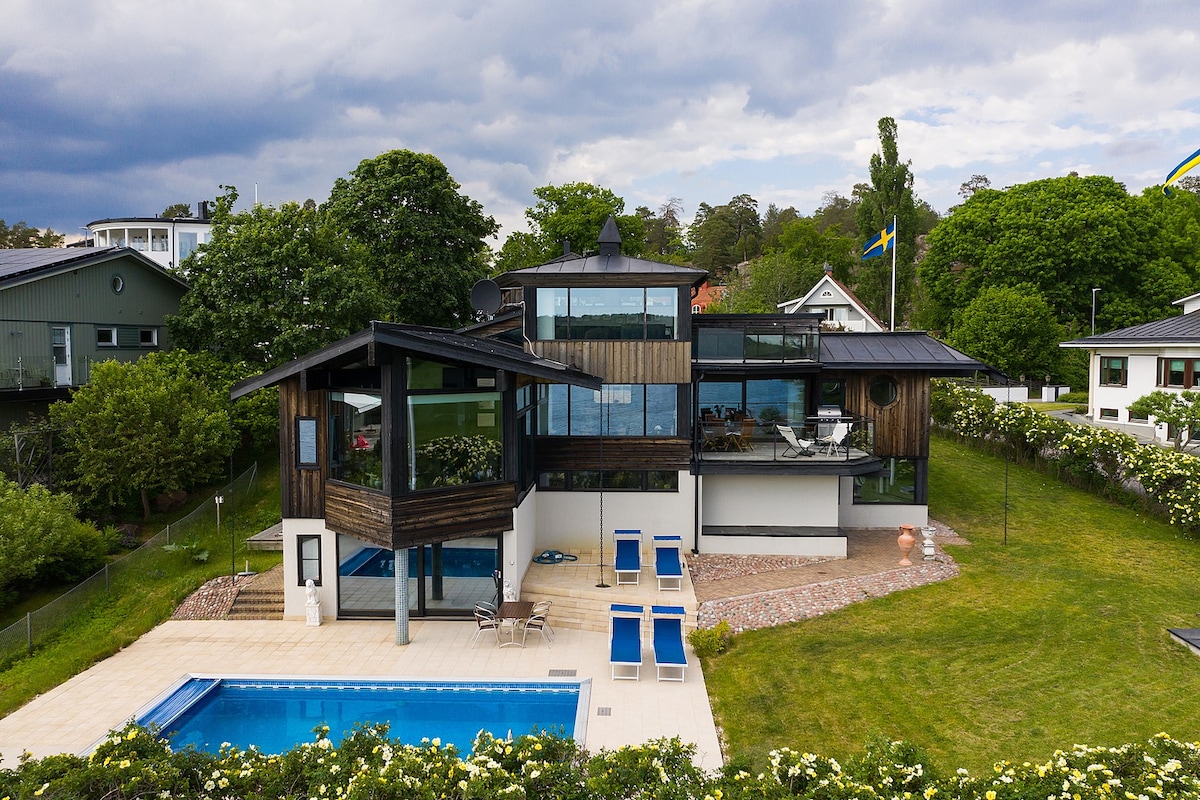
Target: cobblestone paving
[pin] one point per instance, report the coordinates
(754, 592)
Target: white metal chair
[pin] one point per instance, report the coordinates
(536, 622)
(542, 608)
(485, 620)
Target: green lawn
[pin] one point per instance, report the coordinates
(1055, 638)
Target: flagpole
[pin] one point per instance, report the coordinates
(893, 328)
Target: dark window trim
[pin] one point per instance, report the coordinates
(301, 463)
(1106, 370)
(300, 560)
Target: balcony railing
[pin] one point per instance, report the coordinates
(756, 338)
(820, 440)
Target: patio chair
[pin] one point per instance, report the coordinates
(669, 657)
(625, 641)
(536, 622)
(668, 566)
(542, 608)
(485, 620)
(628, 558)
(796, 446)
(836, 439)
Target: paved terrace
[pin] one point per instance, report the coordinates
(750, 592)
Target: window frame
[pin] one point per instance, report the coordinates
(301, 463)
(302, 560)
(111, 330)
(1107, 369)
(153, 337)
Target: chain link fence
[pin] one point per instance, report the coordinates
(193, 534)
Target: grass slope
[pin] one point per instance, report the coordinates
(1055, 638)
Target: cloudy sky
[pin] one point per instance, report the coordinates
(122, 107)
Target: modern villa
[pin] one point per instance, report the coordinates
(589, 400)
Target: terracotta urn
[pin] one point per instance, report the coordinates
(906, 540)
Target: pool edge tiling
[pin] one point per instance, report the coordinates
(81, 711)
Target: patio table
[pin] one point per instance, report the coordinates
(513, 611)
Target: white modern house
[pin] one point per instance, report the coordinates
(165, 241)
(836, 305)
(1129, 363)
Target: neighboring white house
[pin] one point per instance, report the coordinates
(1129, 363)
(839, 308)
(166, 241)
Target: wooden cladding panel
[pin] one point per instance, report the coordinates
(624, 361)
(359, 513)
(453, 513)
(570, 453)
(901, 428)
(302, 489)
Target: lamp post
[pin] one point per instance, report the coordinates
(219, 499)
(1094, 290)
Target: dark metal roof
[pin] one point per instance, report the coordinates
(1184, 329)
(579, 269)
(434, 342)
(912, 350)
(18, 266)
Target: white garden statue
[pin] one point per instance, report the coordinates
(312, 603)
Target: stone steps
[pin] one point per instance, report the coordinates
(261, 597)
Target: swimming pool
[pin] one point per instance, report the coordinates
(276, 714)
(457, 562)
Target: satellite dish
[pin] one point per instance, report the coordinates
(485, 296)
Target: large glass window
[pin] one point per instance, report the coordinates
(1114, 371)
(355, 454)
(619, 409)
(309, 559)
(454, 439)
(188, 242)
(896, 484)
(770, 401)
(612, 313)
(1170, 372)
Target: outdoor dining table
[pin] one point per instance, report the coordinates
(513, 611)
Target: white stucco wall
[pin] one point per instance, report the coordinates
(293, 594)
(570, 521)
(1142, 380)
(771, 500)
(520, 544)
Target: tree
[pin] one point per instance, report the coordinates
(177, 211)
(21, 235)
(725, 236)
(889, 196)
(838, 210)
(1180, 410)
(569, 215)
(1012, 329)
(973, 185)
(664, 231)
(273, 284)
(426, 240)
(1067, 236)
(142, 428)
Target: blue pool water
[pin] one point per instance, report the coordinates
(275, 715)
(457, 562)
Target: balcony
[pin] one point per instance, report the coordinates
(759, 339)
(748, 444)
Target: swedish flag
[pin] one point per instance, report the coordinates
(882, 242)
(1177, 173)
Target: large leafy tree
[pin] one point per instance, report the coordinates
(888, 196)
(426, 239)
(664, 232)
(21, 235)
(1011, 328)
(141, 428)
(274, 284)
(569, 215)
(1067, 236)
(727, 235)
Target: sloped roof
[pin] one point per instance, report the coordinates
(848, 295)
(575, 268)
(27, 264)
(1183, 329)
(912, 350)
(434, 342)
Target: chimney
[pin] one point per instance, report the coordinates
(610, 238)
(202, 210)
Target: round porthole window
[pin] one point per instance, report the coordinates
(883, 390)
(118, 284)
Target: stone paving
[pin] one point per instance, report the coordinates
(752, 592)
(214, 599)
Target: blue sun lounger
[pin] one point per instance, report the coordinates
(628, 559)
(669, 657)
(625, 641)
(668, 565)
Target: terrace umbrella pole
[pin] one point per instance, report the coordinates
(602, 584)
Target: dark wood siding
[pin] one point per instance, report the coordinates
(360, 513)
(902, 428)
(624, 361)
(453, 513)
(302, 489)
(569, 452)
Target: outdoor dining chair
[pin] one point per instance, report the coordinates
(536, 622)
(485, 620)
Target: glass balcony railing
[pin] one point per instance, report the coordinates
(814, 441)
